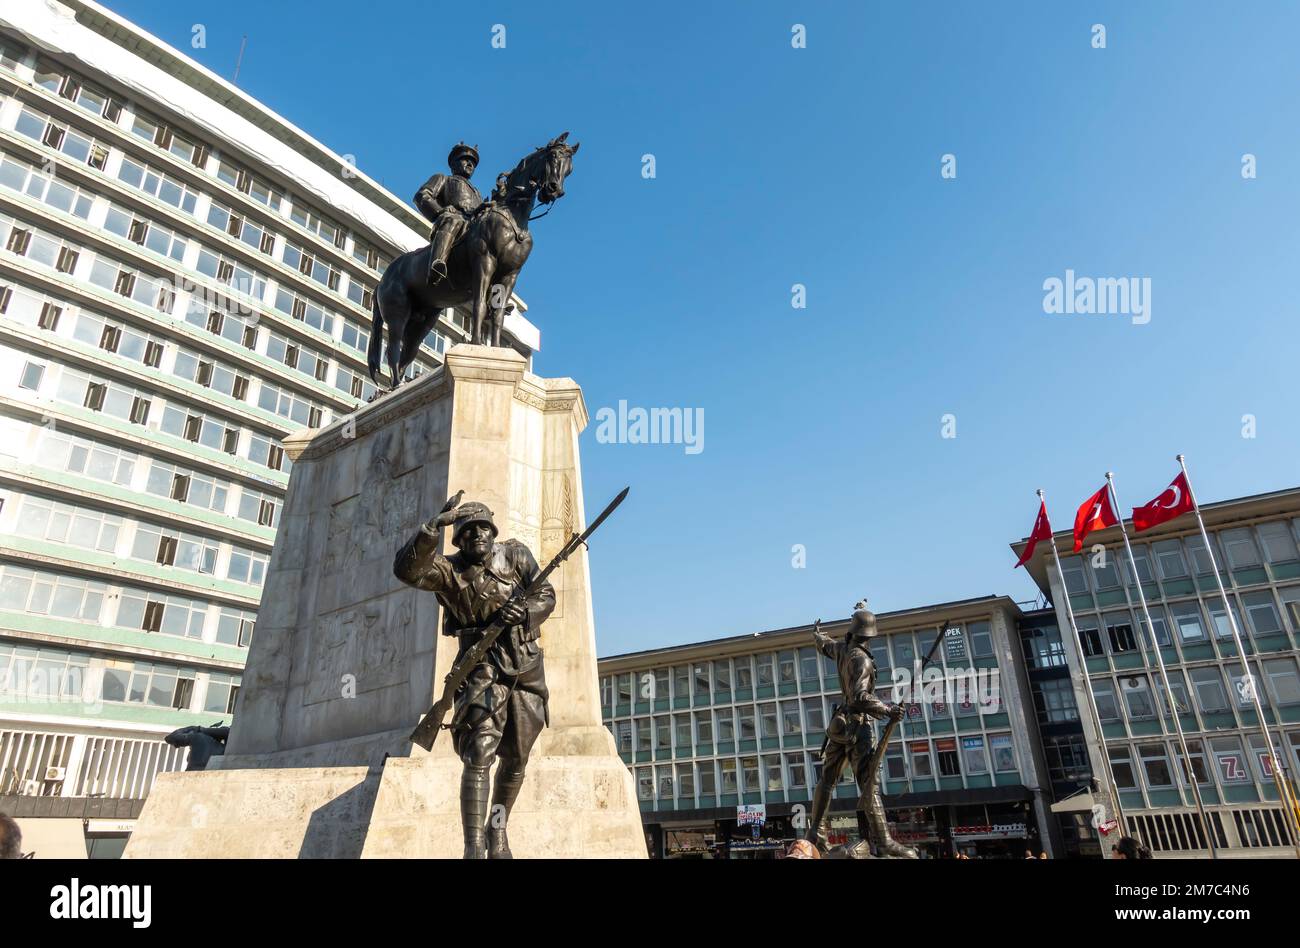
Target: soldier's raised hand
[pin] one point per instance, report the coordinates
(447, 516)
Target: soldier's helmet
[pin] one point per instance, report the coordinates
(863, 623)
(462, 149)
(472, 512)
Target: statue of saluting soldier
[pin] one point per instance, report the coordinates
(849, 739)
(501, 707)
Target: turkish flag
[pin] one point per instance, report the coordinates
(1042, 531)
(1094, 514)
(1174, 502)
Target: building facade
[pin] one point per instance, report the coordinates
(719, 734)
(1138, 753)
(185, 279)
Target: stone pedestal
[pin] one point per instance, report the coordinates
(345, 659)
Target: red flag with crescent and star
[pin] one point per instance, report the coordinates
(1094, 514)
(1042, 531)
(1174, 502)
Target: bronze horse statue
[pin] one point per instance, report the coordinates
(484, 263)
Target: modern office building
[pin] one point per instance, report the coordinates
(185, 278)
(715, 730)
(1138, 753)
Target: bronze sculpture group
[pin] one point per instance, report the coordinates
(476, 251)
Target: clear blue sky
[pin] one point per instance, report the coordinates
(821, 166)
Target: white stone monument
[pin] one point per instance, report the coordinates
(345, 658)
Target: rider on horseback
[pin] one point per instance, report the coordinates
(449, 201)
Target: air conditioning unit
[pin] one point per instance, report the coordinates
(55, 774)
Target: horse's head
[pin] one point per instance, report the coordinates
(557, 163)
(542, 173)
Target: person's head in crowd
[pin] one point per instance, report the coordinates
(11, 838)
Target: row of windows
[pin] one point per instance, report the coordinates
(1150, 765)
(115, 277)
(158, 294)
(789, 666)
(42, 593)
(49, 674)
(137, 406)
(687, 782)
(158, 183)
(1273, 542)
(57, 522)
(1187, 622)
(1135, 693)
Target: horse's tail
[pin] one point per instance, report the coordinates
(376, 346)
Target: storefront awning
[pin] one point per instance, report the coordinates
(1078, 803)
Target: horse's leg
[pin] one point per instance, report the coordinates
(507, 283)
(483, 265)
(396, 316)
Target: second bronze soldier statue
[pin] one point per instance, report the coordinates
(848, 736)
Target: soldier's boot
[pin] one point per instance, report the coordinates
(438, 250)
(886, 845)
(504, 795)
(820, 802)
(473, 808)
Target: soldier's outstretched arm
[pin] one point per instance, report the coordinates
(825, 644)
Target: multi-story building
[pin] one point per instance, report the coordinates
(714, 729)
(1138, 753)
(185, 278)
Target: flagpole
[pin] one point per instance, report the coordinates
(1111, 793)
(1190, 774)
(1280, 780)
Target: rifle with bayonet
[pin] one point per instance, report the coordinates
(426, 732)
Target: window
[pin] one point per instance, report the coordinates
(1104, 573)
(1239, 545)
(749, 774)
(813, 714)
(49, 318)
(727, 769)
(981, 638)
(643, 734)
(946, 751)
(976, 759)
(1121, 768)
(1230, 758)
(1067, 758)
(681, 681)
(808, 663)
(772, 776)
(786, 667)
(790, 723)
(31, 376)
(726, 726)
(703, 728)
(1103, 693)
(744, 674)
(625, 689)
(1137, 697)
(796, 771)
(1169, 556)
(1187, 619)
(922, 766)
(686, 782)
(702, 680)
(1279, 544)
(766, 670)
(1043, 647)
(767, 721)
(1091, 637)
(1263, 615)
(1222, 628)
(1054, 700)
(1208, 684)
(746, 723)
(1199, 767)
(1120, 629)
(1155, 765)
(645, 787)
(682, 731)
(1284, 679)
(1072, 568)
(722, 675)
